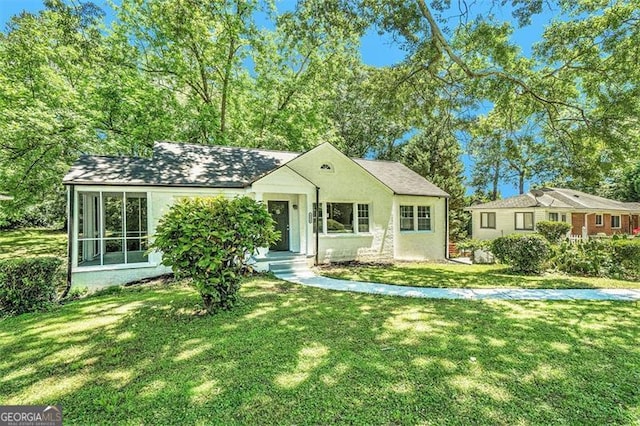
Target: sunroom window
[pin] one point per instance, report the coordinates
(112, 228)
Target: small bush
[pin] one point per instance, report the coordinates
(28, 284)
(553, 231)
(524, 253)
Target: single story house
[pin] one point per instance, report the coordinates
(588, 214)
(328, 207)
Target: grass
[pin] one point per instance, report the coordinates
(465, 276)
(33, 242)
(297, 355)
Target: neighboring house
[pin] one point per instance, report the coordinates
(587, 214)
(362, 209)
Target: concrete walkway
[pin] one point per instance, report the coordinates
(308, 278)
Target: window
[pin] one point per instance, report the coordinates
(553, 217)
(524, 221)
(424, 218)
(564, 217)
(112, 228)
(339, 218)
(415, 218)
(318, 217)
(615, 221)
(599, 221)
(406, 218)
(363, 217)
(488, 220)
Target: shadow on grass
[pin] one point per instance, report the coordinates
(291, 354)
(33, 242)
(465, 276)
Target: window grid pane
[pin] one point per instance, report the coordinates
(112, 228)
(406, 218)
(424, 218)
(363, 218)
(318, 218)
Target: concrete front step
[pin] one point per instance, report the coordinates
(282, 262)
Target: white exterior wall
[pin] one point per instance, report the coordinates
(347, 182)
(422, 245)
(506, 222)
(159, 200)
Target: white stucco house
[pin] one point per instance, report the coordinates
(328, 207)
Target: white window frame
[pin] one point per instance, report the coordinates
(100, 238)
(619, 221)
(554, 216)
(524, 224)
(488, 215)
(414, 211)
(601, 221)
(356, 225)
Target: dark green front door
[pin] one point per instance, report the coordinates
(280, 213)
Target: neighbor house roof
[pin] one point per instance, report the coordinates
(558, 198)
(175, 164)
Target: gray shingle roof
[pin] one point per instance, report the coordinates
(560, 198)
(400, 179)
(180, 165)
(176, 164)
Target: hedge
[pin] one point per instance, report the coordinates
(28, 284)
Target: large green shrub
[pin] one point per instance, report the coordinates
(626, 257)
(592, 258)
(28, 284)
(553, 231)
(210, 239)
(524, 253)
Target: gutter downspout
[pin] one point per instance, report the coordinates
(70, 233)
(317, 225)
(446, 228)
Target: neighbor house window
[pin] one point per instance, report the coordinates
(564, 217)
(424, 218)
(488, 220)
(406, 218)
(615, 221)
(553, 217)
(524, 221)
(415, 218)
(363, 217)
(599, 221)
(112, 228)
(318, 217)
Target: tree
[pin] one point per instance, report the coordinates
(46, 69)
(435, 154)
(210, 240)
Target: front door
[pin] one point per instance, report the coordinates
(279, 211)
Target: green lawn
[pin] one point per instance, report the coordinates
(33, 242)
(299, 355)
(465, 276)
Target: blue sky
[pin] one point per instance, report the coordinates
(376, 49)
